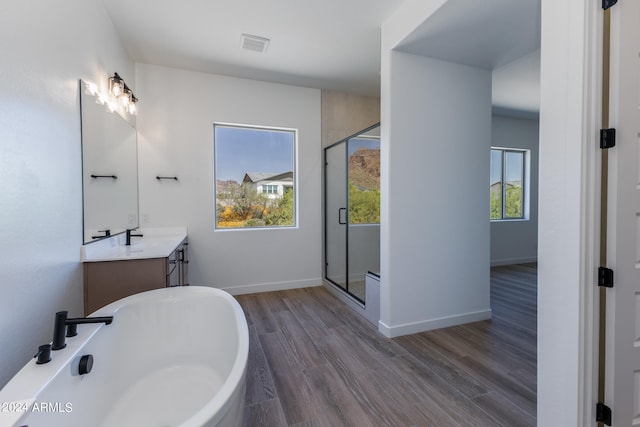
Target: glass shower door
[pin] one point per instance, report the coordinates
(363, 233)
(336, 215)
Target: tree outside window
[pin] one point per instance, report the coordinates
(364, 180)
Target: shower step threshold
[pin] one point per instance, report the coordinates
(372, 297)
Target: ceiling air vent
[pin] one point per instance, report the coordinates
(254, 43)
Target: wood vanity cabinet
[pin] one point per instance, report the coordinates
(109, 281)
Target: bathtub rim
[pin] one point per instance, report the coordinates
(34, 379)
(220, 403)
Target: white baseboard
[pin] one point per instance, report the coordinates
(270, 287)
(428, 325)
(512, 261)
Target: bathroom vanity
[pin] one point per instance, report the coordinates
(114, 270)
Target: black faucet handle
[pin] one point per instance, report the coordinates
(43, 354)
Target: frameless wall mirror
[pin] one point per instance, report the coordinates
(109, 170)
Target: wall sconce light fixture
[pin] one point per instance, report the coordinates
(119, 91)
(117, 97)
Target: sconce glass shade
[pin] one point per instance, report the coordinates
(133, 106)
(125, 98)
(116, 85)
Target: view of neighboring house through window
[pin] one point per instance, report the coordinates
(255, 179)
(507, 184)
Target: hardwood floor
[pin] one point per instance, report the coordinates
(314, 362)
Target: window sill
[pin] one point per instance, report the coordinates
(509, 220)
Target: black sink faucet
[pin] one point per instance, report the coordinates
(107, 233)
(63, 322)
(128, 236)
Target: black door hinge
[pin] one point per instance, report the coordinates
(607, 138)
(606, 4)
(605, 277)
(603, 414)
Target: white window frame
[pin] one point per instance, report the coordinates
(296, 199)
(526, 166)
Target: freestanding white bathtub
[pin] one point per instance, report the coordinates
(172, 357)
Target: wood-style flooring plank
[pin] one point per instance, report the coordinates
(313, 362)
(298, 343)
(266, 413)
(339, 405)
(294, 391)
(260, 386)
(431, 359)
(503, 410)
(359, 375)
(320, 422)
(500, 382)
(435, 389)
(261, 317)
(308, 319)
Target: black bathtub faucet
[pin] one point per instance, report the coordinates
(71, 326)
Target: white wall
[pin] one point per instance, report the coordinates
(568, 215)
(436, 135)
(46, 47)
(515, 242)
(175, 126)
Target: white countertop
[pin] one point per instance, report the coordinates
(155, 243)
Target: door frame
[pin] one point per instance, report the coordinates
(571, 75)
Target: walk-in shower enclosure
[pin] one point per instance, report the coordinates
(352, 211)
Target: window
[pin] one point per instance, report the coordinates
(270, 189)
(250, 164)
(507, 191)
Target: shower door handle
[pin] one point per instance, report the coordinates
(342, 211)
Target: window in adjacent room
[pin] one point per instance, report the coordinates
(508, 190)
(255, 177)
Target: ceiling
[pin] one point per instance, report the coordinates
(498, 35)
(516, 87)
(328, 44)
(485, 34)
